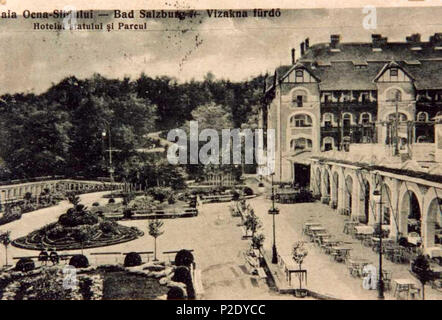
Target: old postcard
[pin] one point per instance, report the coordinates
(202, 151)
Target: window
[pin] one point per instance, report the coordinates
(422, 116)
(327, 97)
(328, 118)
(301, 120)
(299, 76)
(328, 143)
(365, 118)
(402, 117)
(394, 72)
(394, 95)
(299, 97)
(301, 144)
(364, 97)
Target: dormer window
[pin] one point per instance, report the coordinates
(327, 97)
(393, 72)
(364, 97)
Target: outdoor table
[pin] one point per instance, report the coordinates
(340, 252)
(385, 241)
(349, 225)
(403, 285)
(308, 225)
(364, 230)
(356, 265)
(289, 267)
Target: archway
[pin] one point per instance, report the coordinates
(348, 195)
(410, 210)
(433, 223)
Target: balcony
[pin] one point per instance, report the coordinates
(349, 106)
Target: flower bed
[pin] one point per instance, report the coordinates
(78, 228)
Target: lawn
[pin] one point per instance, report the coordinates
(120, 285)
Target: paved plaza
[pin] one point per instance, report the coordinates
(324, 275)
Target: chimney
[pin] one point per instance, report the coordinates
(414, 39)
(334, 40)
(377, 40)
(436, 39)
(302, 48)
(307, 43)
(293, 56)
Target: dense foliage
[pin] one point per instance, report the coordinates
(61, 131)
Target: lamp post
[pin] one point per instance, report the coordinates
(107, 132)
(273, 211)
(377, 195)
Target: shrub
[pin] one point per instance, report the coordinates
(132, 259)
(175, 293)
(85, 288)
(95, 204)
(79, 261)
(108, 227)
(247, 191)
(128, 213)
(184, 258)
(111, 200)
(25, 264)
(171, 199)
(182, 274)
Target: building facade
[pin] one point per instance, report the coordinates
(351, 118)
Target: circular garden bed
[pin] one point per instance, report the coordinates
(78, 228)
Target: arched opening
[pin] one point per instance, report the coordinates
(301, 144)
(328, 143)
(434, 223)
(410, 210)
(299, 97)
(346, 121)
(348, 199)
(394, 95)
(301, 120)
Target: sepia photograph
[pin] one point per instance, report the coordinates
(182, 153)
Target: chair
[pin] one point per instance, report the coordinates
(414, 292)
(386, 277)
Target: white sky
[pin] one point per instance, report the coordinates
(234, 49)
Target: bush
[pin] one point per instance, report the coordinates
(171, 200)
(111, 200)
(108, 226)
(25, 264)
(182, 274)
(175, 293)
(247, 191)
(85, 288)
(132, 259)
(95, 204)
(184, 258)
(79, 261)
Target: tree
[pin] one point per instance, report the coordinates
(298, 254)
(5, 238)
(420, 267)
(252, 222)
(155, 231)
